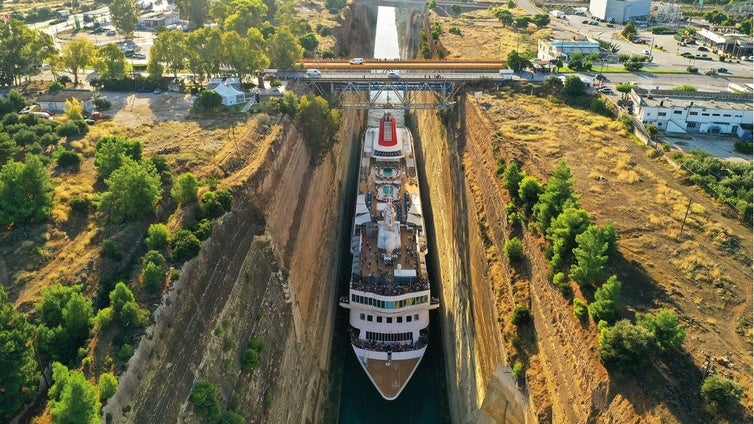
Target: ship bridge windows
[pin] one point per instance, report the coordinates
(389, 337)
(389, 304)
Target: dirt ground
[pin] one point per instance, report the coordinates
(134, 109)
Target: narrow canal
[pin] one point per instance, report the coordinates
(424, 400)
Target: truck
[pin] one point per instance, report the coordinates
(62, 14)
(507, 74)
(558, 14)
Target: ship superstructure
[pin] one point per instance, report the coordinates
(389, 291)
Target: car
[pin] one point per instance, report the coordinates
(393, 75)
(599, 77)
(313, 73)
(585, 21)
(702, 49)
(646, 52)
(89, 121)
(606, 90)
(356, 61)
(157, 90)
(97, 30)
(722, 71)
(110, 32)
(710, 72)
(140, 56)
(142, 90)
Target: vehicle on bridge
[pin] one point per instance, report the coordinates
(313, 73)
(356, 61)
(393, 75)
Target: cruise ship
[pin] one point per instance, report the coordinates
(389, 290)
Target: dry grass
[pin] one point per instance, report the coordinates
(481, 26)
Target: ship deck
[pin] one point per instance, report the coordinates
(391, 376)
(371, 263)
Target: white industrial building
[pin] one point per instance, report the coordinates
(550, 50)
(620, 11)
(694, 111)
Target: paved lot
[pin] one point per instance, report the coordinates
(720, 146)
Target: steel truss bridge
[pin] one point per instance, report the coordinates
(415, 92)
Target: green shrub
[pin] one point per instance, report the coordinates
(720, 393)
(203, 229)
(184, 245)
(81, 204)
(692, 69)
(157, 236)
(66, 158)
(104, 318)
(518, 370)
(249, 359)
(514, 250)
(110, 250)
(108, 385)
(68, 129)
(521, 315)
(744, 147)
(153, 256)
(204, 396)
(454, 30)
(579, 308)
(125, 352)
(102, 103)
(153, 277)
(626, 347)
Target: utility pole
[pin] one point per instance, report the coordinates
(683, 224)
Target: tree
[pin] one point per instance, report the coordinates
(289, 104)
(133, 191)
(573, 86)
(529, 191)
(309, 41)
(185, 188)
(19, 374)
(205, 399)
(157, 236)
(195, 11)
(107, 386)
(626, 347)
(125, 15)
(73, 109)
(209, 100)
(244, 54)
(25, 191)
(284, 49)
(113, 61)
(633, 65)
(720, 393)
(625, 88)
(521, 22)
(204, 49)
(591, 256)
(514, 61)
(125, 308)
(541, 20)
(77, 54)
(73, 400)
(8, 148)
(606, 301)
(558, 190)
(456, 9)
(170, 48)
(512, 179)
(629, 30)
(664, 325)
(238, 15)
(562, 233)
(504, 16)
(320, 123)
(23, 50)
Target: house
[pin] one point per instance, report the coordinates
(552, 50)
(155, 19)
(620, 11)
(56, 102)
(694, 111)
(665, 12)
(229, 94)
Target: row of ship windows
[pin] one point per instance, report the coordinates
(389, 320)
(389, 304)
(382, 337)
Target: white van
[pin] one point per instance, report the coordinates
(356, 61)
(313, 73)
(43, 115)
